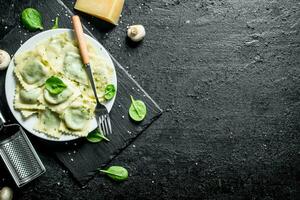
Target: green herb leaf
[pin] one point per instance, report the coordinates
(117, 173)
(137, 110)
(31, 19)
(54, 85)
(95, 136)
(110, 91)
(55, 26)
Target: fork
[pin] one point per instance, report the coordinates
(101, 113)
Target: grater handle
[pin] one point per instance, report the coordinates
(2, 120)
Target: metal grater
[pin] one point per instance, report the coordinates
(19, 155)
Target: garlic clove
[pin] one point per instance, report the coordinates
(6, 193)
(4, 59)
(136, 32)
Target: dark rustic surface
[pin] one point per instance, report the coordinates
(81, 157)
(227, 73)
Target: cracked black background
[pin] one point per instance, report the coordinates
(226, 73)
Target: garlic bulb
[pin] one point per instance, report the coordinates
(136, 32)
(4, 59)
(6, 193)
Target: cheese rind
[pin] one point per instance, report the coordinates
(107, 10)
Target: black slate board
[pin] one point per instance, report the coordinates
(80, 157)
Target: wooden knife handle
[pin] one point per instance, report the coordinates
(81, 39)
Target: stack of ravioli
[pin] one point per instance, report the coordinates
(71, 111)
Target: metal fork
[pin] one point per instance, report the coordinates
(101, 113)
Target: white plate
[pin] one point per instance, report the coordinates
(10, 81)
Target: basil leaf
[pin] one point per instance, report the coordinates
(31, 19)
(137, 110)
(110, 91)
(55, 26)
(54, 85)
(95, 136)
(117, 173)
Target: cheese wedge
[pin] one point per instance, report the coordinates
(107, 10)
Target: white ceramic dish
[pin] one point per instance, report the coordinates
(10, 81)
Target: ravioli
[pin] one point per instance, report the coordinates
(86, 90)
(58, 103)
(71, 111)
(76, 117)
(31, 71)
(58, 98)
(28, 113)
(49, 123)
(81, 133)
(27, 99)
(102, 74)
(74, 68)
(54, 50)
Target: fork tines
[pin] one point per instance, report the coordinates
(105, 124)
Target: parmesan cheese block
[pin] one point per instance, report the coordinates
(108, 10)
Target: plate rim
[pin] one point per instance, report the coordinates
(48, 34)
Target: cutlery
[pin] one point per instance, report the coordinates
(101, 113)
